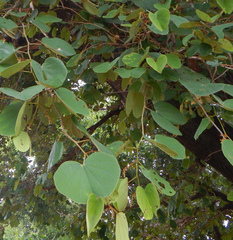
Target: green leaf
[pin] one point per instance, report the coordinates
(91, 7)
(7, 23)
(169, 112)
(99, 175)
(230, 196)
(115, 146)
(153, 197)
(226, 5)
(197, 83)
(105, 67)
(73, 104)
(161, 6)
(159, 64)
(132, 59)
(165, 124)
(177, 20)
(122, 198)
(162, 185)
(135, 103)
(169, 145)
(51, 74)
(218, 29)
(173, 61)
(95, 208)
(160, 18)
(55, 154)
(58, 46)
(25, 95)
(143, 203)
(148, 200)
(11, 70)
(227, 149)
(122, 229)
(99, 145)
(226, 44)
(8, 118)
(7, 53)
(203, 16)
(44, 18)
(22, 142)
(43, 27)
(135, 72)
(20, 119)
(203, 125)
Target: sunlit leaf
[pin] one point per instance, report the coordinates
(22, 142)
(99, 175)
(95, 207)
(73, 104)
(122, 230)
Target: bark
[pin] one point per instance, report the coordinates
(207, 147)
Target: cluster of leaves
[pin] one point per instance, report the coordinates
(151, 67)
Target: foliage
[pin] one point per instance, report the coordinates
(116, 118)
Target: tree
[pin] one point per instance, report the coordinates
(116, 118)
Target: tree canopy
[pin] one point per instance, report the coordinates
(116, 119)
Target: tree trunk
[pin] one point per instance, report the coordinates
(208, 146)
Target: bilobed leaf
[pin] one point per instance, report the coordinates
(203, 125)
(25, 95)
(197, 83)
(169, 112)
(165, 124)
(52, 73)
(227, 149)
(91, 7)
(143, 203)
(159, 64)
(169, 145)
(8, 118)
(59, 46)
(160, 18)
(153, 197)
(11, 70)
(55, 154)
(71, 102)
(122, 229)
(22, 142)
(226, 5)
(162, 185)
(218, 29)
(132, 59)
(95, 207)
(105, 67)
(161, 6)
(98, 174)
(123, 72)
(173, 61)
